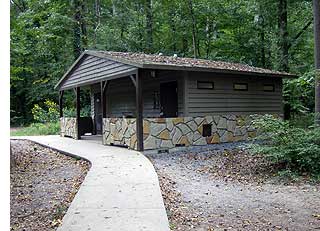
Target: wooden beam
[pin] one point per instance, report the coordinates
(133, 80)
(139, 109)
(104, 86)
(61, 103)
(185, 94)
(77, 90)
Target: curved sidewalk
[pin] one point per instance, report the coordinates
(120, 192)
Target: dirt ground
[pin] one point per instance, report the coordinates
(43, 183)
(233, 190)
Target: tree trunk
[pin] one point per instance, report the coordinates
(76, 29)
(185, 44)
(283, 35)
(114, 8)
(263, 52)
(173, 29)
(194, 33)
(149, 26)
(84, 34)
(97, 8)
(209, 31)
(261, 23)
(316, 17)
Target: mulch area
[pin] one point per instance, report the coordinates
(43, 183)
(234, 190)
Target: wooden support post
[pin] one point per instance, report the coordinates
(61, 103)
(77, 90)
(104, 86)
(139, 110)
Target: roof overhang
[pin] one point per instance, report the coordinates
(154, 66)
(186, 68)
(120, 74)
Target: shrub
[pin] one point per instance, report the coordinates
(302, 120)
(296, 148)
(48, 115)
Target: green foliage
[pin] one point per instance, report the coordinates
(287, 174)
(50, 112)
(296, 148)
(71, 112)
(302, 120)
(299, 93)
(48, 115)
(34, 129)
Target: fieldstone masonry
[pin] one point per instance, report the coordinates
(68, 127)
(168, 133)
(120, 131)
(185, 131)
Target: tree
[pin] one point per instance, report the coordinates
(196, 51)
(316, 16)
(283, 35)
(77, 28)
(149, 26)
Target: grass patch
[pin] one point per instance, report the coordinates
(38, 129)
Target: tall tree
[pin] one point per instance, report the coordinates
(194, 30)
(97, 21)
(83, 25)
(316, 16)
(149, 26)
(77, 29)
(283, 35)
(261, 25)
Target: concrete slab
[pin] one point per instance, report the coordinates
(120, 192)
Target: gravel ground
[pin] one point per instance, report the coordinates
(223, 188)
(42, 185)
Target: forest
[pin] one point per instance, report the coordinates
(48, 35)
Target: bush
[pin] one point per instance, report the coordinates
(48, 115)
(296, 148)
(302, 120)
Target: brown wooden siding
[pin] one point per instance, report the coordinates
(223, 99)
(121, 94)
(199, 102)
(93, 69)
(152, 84)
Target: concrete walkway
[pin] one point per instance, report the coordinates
(120, 192)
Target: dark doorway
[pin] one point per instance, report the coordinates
(169, 99)
(97, 113)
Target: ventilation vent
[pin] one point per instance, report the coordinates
(206, 130)
(163, 151)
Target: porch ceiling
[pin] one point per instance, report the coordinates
(89, 69)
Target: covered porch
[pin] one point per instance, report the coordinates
(122, 96)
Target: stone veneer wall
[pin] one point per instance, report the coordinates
(120, 131)
(185, 131)
(68, 127)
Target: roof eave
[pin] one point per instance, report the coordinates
(73, 66)
(216, 70)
